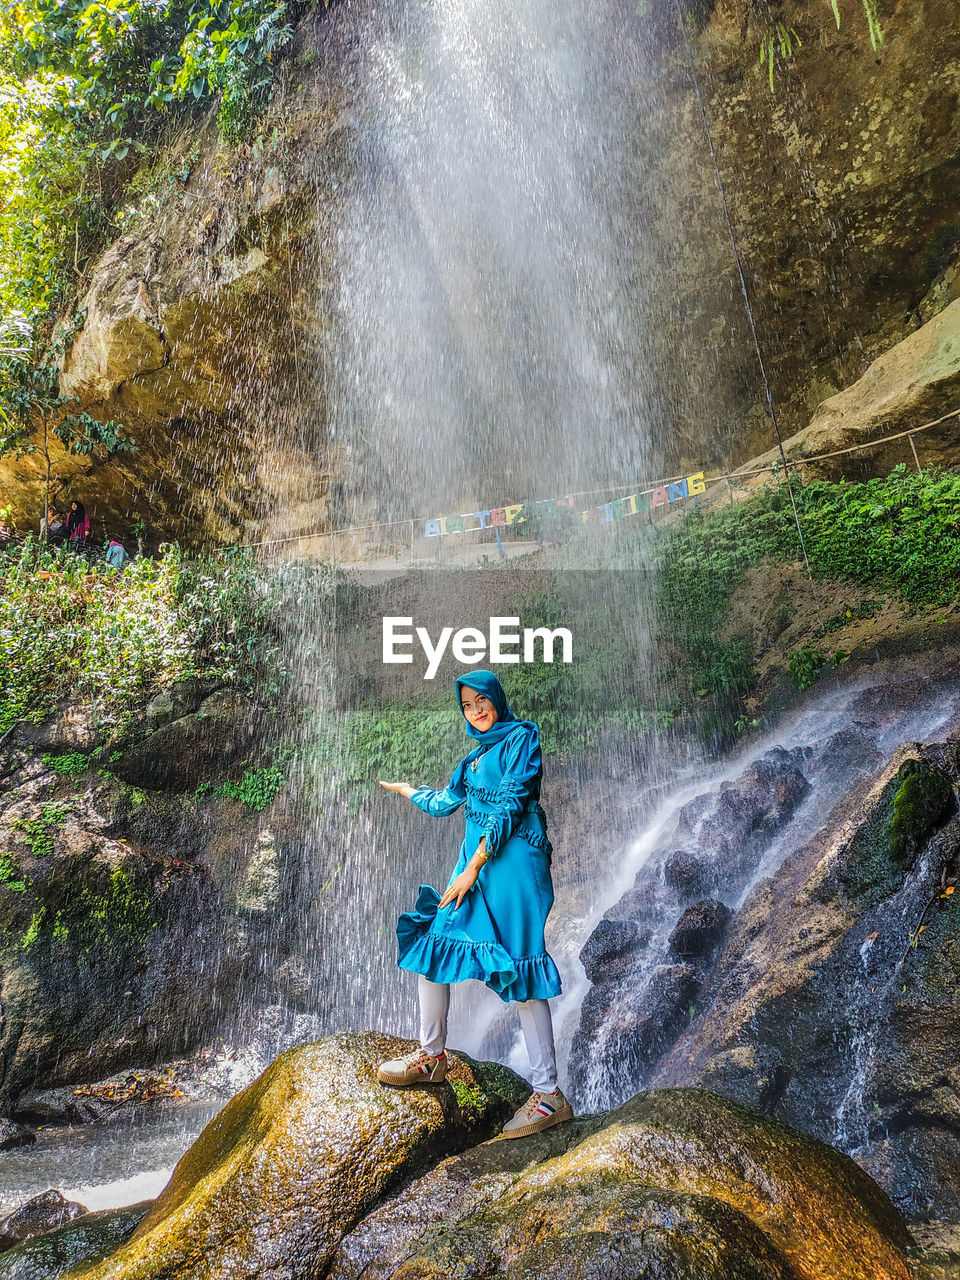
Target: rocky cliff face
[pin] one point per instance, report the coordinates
(208, 325)
(134, 908)
(793, 946)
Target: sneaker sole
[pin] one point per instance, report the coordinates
(537, 1126)
(400, 1082)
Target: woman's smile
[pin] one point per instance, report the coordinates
(478, 709)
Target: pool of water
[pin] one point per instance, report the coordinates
(109, 1164)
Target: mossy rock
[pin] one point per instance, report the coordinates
(86, 1240)
(677, 1184)
(292, 1162)
(912, 805)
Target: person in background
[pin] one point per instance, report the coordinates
(52, 529)
(78, 526)
(116, 554)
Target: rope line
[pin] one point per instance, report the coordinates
(771, 407)
(622, 488)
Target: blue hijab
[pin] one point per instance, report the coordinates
(486, 682)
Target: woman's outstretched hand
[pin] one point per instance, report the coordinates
(401, 788)
(461, 886)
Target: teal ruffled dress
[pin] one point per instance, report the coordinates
(496, 935)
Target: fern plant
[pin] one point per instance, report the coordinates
(873, 21)
(781, 41)
(779, 38)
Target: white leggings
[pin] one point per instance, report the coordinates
(534, 1019)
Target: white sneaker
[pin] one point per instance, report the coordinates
(418, 1067)
(540, 1111)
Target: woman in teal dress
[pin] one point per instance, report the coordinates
(489, 922)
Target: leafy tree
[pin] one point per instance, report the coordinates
(34, 413)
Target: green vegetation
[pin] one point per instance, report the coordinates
(779, 39)
(900, 534)
(471, 1099)
(807, 665)
(118, 638)
(39, 834)
(72, 765)
(11, 877)
(779, 42)
(257, 789)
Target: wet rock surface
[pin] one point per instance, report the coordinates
(832, 1004)
(700, 929)
(202, 744)
(647, 979)
(676, 1184)
(610, 947)
(79, 1243)
(13, 1135)
(292, 1162)
(125, 912)
(827, 997)
(45, 1212)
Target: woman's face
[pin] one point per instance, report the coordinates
(73, 506)
(478, 709)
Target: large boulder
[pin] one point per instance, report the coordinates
(183, 752)
(676, 1184)
(294, 1161)
(642, 999)
(114, 951)
(42, 1213)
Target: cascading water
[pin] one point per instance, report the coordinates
(487, 333)
(484, 348)
(735, 835)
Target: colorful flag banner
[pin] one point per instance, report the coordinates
(661, 495)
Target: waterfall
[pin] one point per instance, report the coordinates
(487, 330)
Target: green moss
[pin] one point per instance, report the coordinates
(113, 914)
(924, 798)
(32, 934)
(912, 805)
(494, 1080)
(39, 833)
(11, 877)
(123, 914)
(469, 1097)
